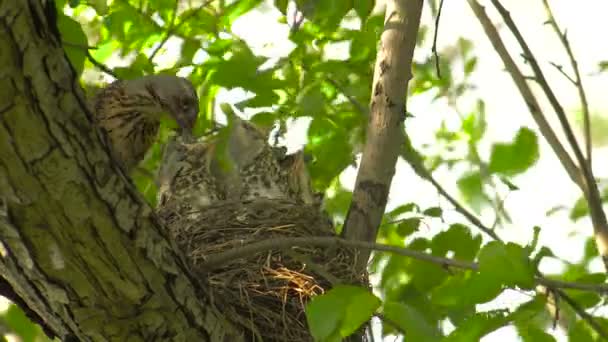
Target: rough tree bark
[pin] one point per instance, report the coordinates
(385, 135)
(80, 246)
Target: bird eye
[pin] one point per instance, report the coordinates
(186, 104)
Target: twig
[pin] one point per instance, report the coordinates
(561, 71)
(589, 187)
(385, 131)
(434, 48)
(218, 259)
(168, 33)
(577, 82)
(173, 28)
(462, 210)
(545, 129)
(582, 313)
(349, 97)
(526, 93)
(101, 66)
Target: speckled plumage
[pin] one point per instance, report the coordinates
(129, 111)
(191, 177)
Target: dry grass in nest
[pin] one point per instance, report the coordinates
(266, 292)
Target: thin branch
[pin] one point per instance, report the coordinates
(434, 48)
(219, 259)
(582, 313)
(168, 33)
(412, 157)
(462, 210)
(589, 187)
(567, 162)
(101, 66)
(526, 93)
(362, 109)
(173, 28)
(561, 71)
(577, 82)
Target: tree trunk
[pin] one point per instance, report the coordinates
(80, 246)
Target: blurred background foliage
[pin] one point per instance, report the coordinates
(426, 301)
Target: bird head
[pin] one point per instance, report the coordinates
(166, 94)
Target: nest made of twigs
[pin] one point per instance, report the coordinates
(266, 292)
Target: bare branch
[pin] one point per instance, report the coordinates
(385, 131)
(589, 186)
(101, 66)
(577, 81)
(217, 260)
(173, 28)
(362, 109)
(526, 93)
(572, 170)
(434, 48)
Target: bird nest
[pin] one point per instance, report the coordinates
(265, 292)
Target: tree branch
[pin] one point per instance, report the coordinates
(577, 81)
(526, 93)
(571, 168)
(173, 28)
(280, 244)
(385, 131)
(589, 186)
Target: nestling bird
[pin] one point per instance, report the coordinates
(129, 111)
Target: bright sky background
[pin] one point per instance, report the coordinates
(543, 187)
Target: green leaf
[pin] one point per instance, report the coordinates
(433, 212)
(326, 14)
(579, 210)
(516, 157)
(457, 238)
(580, 332)
(363, 8)
(405, 208)
(311, 100)
(100, 6)
(474, 125)
(469, 65)
(237, 9)
(281, 5)
(408, 226)
(544, 251)
(509, 263)
(466, 289)
(531, 312)
(479, 325)
(340, 312)
(75, 41)
(532, 333)
(18, 322)
(471, 188)
(411, 322)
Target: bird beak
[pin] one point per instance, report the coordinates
(186, 121)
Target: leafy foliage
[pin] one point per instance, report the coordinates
(129, 38)
(340, 312)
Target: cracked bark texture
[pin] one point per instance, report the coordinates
(80, 246)
(385, 132)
